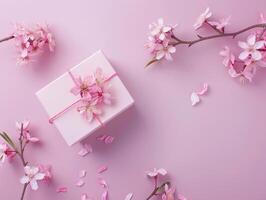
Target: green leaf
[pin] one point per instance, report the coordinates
(5, 136)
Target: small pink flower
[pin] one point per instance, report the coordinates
(31, 41)
(262, 18)
(32, 175)
(220, 25)
(156, 172)
(82, 86)
(251, 48)
(202, 19)
(47, 171)
(244, 74)
(25, 125)
(169, 193)
(89, 110)
(229, 58)
(164, 51)
(159, 30)
(5, 153)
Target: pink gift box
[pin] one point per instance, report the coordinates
(56, 97)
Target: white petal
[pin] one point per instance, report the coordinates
(129, 196)
(39, 176)
(162, 36)
(24, 180)
(256, 55)
(243, 55)
(168, 56)
(172, 49)
(251, 39)
(162, 171)
(160, 21)
(259, 44)
(27, 169)
(243, 45)
(167, 29)
(194, 99)
(160, 55)
(34, 184)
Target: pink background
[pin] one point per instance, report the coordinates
(213, 151)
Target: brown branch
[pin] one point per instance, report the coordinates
(156, 189)
(24, 191)
(7, 38)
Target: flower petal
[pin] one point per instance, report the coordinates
(256, 55)
(24, 180)
(243, 55)
(251, 40)
(129, 196)
(243, 45)
(102, 169)
(80, 183)
(34, 185)
(105, 196)
(194, 98)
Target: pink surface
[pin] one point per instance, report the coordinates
(213, 151)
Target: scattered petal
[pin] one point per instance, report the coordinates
(85, 150)
(82, 173)
(105, 195)
(84, 196)
(80, 183)
(103, 183)
(102, 169)
(129, 196)
(204, 89)
(194, 98)
(61, 189)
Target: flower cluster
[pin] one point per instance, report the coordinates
(162, 43)
(159, 40)
(94, 91)
(10, 149)
(164, 190)
(32, 41)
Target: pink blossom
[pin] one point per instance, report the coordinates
(156, 172)
(31, 41)
(202, 18)
(229, 58)
(262, 18)
(169, 193)
(5, 153)
(221, 24)
(164, 51)
(32, 175)
(247, 73)
(25, 132)
(89, 110)
(251, 48)
(47, 171)
(159, 30)
(25, 125)
(82, 86)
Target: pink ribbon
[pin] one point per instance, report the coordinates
(51, 120)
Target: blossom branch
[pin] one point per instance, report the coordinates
(7, 38)
(157, 189)
(232, 34)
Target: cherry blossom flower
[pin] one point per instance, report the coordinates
(159, 30)
(164, 51)
(169, 193)
(5, 152)
(25, 124)
(82, 86)
(25, 132)
(221, 24)
(229, 58)
(202, 19)
(47, 171)
(32, 175)
(156, 172)
(89, 110)
(251, 48)
(247, 73)
(31, 41)
(262, 18)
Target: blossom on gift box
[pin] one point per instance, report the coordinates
(31, 41)
(251, 48)
(89, 110)
(5, 153)
(202, 19)
(32, 176)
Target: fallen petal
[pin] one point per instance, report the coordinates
(194, 99)
(84, 196)
(85, 150)
(82, 173)
(103, 182)
(80, 183)
(61, 189)
(129, 196)
(105, 195)
(102, 169)
(204, 89)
